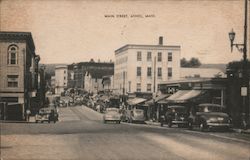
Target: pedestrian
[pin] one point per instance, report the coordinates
(28, 115)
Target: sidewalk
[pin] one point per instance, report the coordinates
(237, 130)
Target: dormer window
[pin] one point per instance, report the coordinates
(12, 54)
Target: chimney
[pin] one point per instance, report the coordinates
(160, 40)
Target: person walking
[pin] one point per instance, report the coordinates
(28, 115)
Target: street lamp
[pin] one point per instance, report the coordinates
(245, 84)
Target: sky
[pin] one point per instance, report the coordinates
(71, 31)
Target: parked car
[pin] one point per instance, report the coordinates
(176, 115)
(207, 116)
(134, 115)
(62, 103)
(112, 114)
(47, 114)
(71, 102)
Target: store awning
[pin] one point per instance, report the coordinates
(176, 95)
(185, 96)
(134, 101)
(158, 98)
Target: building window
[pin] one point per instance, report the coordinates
(159, 72)
(170, 57)
(64, 72)
(149, 72)
(138, 71)
(170, 72)
(12, 54)
(139, 56)
(159, 57)
(149, 56)
(138, 87)
(149, 87)
(12, 80)
(64, 78)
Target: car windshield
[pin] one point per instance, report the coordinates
(210, 109)
(44, 111)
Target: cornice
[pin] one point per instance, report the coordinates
(136, 46)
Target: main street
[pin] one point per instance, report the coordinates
(81, 134)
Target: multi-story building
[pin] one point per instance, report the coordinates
(19, 73)
(95, 81)
(140, 68)
(78, 71)
(248, 32)
(61, 78)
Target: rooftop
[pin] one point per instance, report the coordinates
(139, 46)
(26, 36)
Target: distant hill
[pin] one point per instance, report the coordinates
(222, 67)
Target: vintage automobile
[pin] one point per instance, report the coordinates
(176, 115)
(47, 114)
(134, 115)
(112, 114)
(207, 116)
(62, 103)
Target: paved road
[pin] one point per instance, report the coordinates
(80, 134)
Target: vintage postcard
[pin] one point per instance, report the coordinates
(124, 79)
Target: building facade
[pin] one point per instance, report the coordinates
(61, 78)
(19, 73)
(140, 68)
(77, 72)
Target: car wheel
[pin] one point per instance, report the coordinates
(36, 121)
(190, 125)
(202, 126)
(169, 124)
(161, 124)
(49, 121)
(54, 121)
(41, 121)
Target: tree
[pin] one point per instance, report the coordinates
(192, 63)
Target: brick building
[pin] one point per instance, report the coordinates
(19, 73)
(77, 72)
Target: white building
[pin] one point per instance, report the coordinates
(140, 68)
(61, 78)
(92, 83)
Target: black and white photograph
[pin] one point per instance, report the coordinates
(124, 80)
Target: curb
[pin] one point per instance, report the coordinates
(153, 123)
(242, 131)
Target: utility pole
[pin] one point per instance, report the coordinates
(245, 77)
